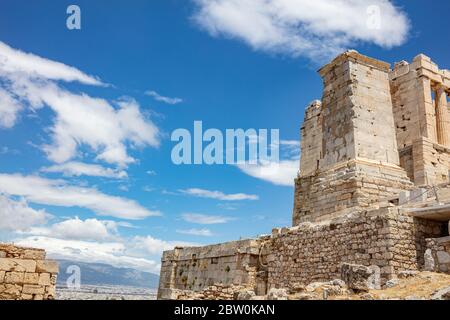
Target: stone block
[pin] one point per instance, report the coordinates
(34, 254)
(443, 257)
(44, 279)
(14, 277)
(356, 277)
(18, 265)
(33, 289)
(46, 266)
(31, 278)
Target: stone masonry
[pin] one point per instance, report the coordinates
(25, 274)
(373, 190)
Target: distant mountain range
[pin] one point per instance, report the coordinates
(104, 274)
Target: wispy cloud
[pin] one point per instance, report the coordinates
(202, 193)
(28, 65)
(18, 216)
(205, 219)
(197, 232)
(59, 193)
(315, 29)
(155, 95)
(76, 169)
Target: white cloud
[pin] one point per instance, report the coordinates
(94, 122)
(31, 66)
(9, 108)
(282, 173)
(113, 253)
(59, 193)
(108, 129)
(93, 240)
(155, 95)
(76, 229)
(202, 193)
(205, 219)
(76, 169)
(197, 232)
(151, 245)
(316, 29)
(18, 216)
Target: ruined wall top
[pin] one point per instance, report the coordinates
(423, 66)
(355, 56)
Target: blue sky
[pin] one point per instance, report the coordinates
(85, 147)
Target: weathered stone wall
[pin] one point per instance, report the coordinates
(418, 90)
(357, 111)
(359, 162)
(437, 255)
(25, 274)
(431, 162)
(195, 269)
(345, 188)
(216, 292)
(314, 252)
(311, 139)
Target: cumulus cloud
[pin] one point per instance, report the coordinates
(202, 193)
(99, 241)
(77, 169)
(196, 232)
(205, 219)
(113, 253)
(152, 245)
(316, 29)
(280, 173)
(59, 193)
(107, 128)
(76, 229)
(18, 216)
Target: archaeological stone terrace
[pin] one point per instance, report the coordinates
(373, 190)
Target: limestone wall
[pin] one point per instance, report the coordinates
(385, 238)
(314, 252)
(359, 164)
(348, 187)
(25, 274)
(311, 139)
(195, 269)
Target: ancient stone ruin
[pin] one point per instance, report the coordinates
(25, 274)
(372, 198)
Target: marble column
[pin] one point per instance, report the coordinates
(442, 117)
